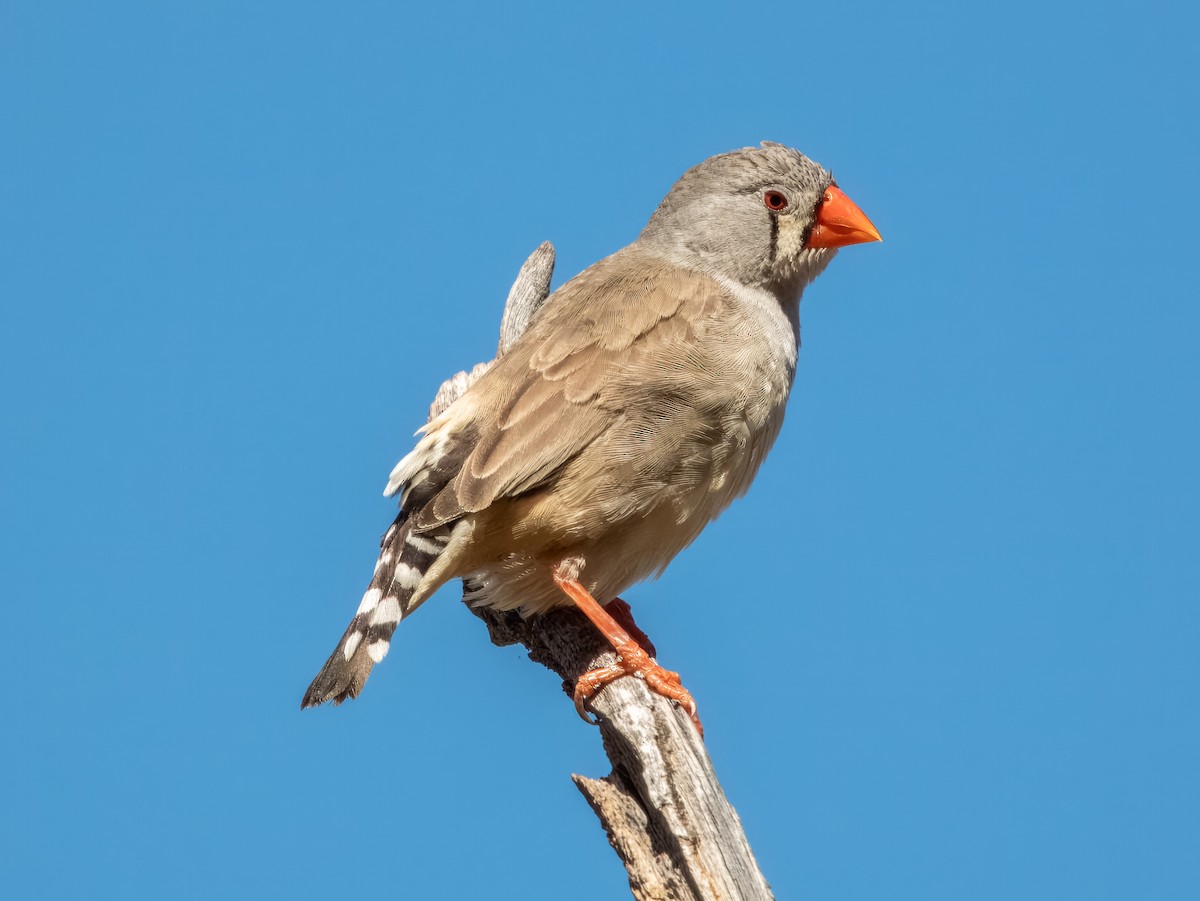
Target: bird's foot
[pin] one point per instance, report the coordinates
(632, 659)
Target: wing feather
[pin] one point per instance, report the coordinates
(595, 348)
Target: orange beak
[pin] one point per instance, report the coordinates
(839, 222)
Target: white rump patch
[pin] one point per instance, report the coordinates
(386, 612)
(409, 484)
(352, 645)
(415, 465)
(406, 576)
(370, 599)
(403, 471)
(377, 650)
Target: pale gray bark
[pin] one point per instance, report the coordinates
(662, 806)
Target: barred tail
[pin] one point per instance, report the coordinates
(404, 559)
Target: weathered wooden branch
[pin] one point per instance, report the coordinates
(662, 806)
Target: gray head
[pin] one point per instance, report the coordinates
(750, 216)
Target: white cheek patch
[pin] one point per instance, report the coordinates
(791, 239)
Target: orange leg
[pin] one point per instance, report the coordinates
(632, 659)
(620, 611)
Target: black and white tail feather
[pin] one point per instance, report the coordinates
(406, 555)
(404, 559)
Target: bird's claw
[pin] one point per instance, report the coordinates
(659, 680)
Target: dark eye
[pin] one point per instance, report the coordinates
(775, 201)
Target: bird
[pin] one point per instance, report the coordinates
(638, 403)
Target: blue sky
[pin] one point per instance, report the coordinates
(945, 649)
